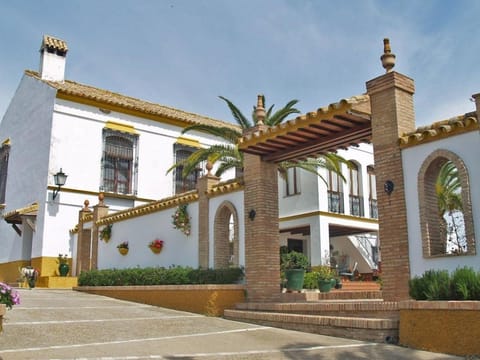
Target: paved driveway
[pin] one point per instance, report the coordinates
(63, 324)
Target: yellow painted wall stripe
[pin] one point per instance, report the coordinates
(120, 127)
(188, 142)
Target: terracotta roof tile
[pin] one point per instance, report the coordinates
(54, 43)
(106, 97)
(440, 129)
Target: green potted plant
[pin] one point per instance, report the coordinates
(294, 265)
(63, 267)
(325, 277)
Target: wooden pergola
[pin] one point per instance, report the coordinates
(337, 126)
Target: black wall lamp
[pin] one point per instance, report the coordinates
(251, 214)
(60, 179)
(388, 187)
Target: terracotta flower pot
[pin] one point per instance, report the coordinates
(156, 250)
(123, 251)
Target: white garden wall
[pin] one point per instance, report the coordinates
(466, 146)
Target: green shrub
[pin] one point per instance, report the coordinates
(466, 284)
(433, 285)
(176, 275)
(310, 281)
(462, 284)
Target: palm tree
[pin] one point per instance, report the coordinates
(449, 195)
(231, 158)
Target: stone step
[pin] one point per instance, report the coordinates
(352, 308)
(359, 286)
(358, 328)
(341, 294)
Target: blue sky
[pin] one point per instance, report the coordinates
(185, 53)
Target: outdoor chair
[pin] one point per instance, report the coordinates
(351, 274)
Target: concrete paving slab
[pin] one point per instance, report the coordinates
(63, 324)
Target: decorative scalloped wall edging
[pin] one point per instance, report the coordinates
(440, 129)
(149, 208)
(226, 187)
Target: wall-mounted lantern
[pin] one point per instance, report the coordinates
(388, 187)
(60, 179)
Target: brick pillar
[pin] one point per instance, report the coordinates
(83, 241)
(203, 185)
(391, 100)
(262, 243)
(99, 211)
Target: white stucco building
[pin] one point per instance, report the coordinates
(120, 146)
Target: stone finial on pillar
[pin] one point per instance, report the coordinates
(209, 167)
(101, 197)
(388, 59)
(85, 206)
(260, 110)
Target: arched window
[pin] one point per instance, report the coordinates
(372, 192)
(355, 196)
(119, 162)
(335, 194)
(445, 206)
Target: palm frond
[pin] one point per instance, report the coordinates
(227, 165)
(280, 115)
(226, 133)
(237, 114)
(330, 161)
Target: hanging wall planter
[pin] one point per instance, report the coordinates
(156, 246)
(181, 219)
(123, 248)
(106, 233)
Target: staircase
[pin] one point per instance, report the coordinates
(356, 311)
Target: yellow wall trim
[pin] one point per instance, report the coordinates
(209, 300)
(120, 127)
(107, 194)
(188, 142)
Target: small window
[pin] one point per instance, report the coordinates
(356, 200)
(292, 181)
(335, 194)
(182, 152)
(4, 154)
(372, 192)
(119, 162)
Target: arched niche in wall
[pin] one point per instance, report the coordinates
(436, 228)
(226, 243)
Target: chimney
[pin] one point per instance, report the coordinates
(476, 97)
(52, 59)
